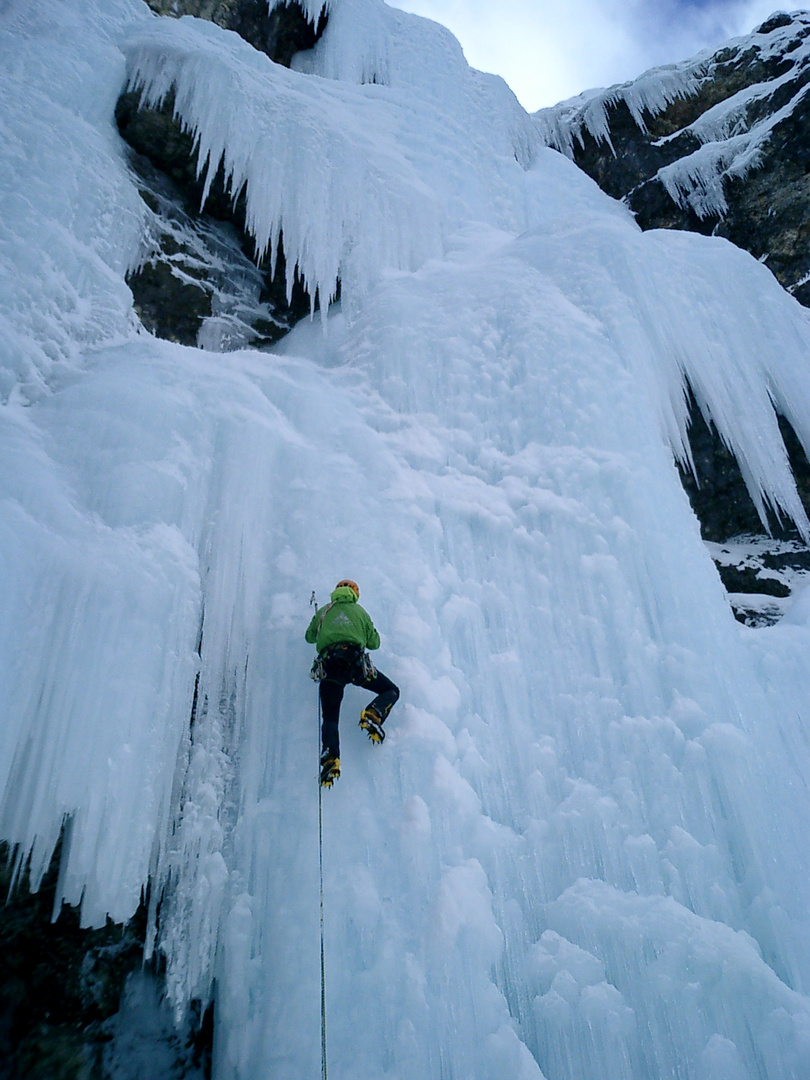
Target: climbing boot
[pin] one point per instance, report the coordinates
(330, 769)
(371, 723)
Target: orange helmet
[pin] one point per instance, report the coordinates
(352, 585)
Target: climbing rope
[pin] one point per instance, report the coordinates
(320, 867)
(314, 603)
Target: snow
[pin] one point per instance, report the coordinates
(70, 214)
(651, 93)
(581, 849)
(732, 133)
(779, 563)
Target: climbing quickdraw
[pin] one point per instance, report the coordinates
(369, 671)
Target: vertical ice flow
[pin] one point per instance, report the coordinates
(580, 851)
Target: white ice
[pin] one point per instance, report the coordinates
(401, 128)
(581, 850)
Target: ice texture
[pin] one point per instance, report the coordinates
(71, 219)
(357, 178)
(313, 9)
(581, 850)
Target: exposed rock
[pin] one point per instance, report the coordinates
(197, 285)
(280, 33)
(58, 985)
(767, 211)
(760, 196)
(61, 989)
(747, 579)
(653, 143)
(718, 493)
(760, 574)
(198, 282)
(752, 565)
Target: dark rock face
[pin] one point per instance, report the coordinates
(754, 564)
(766, 210)
(642, 143)
(202, 263)
(739, 579)
(760, 574)
(62, 987)
(718, 493)
(59, 983)
(200, 283)
(280, 33)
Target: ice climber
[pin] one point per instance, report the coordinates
(341, 632)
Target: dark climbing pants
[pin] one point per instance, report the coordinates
(344, 666)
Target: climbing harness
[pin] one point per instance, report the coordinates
(346, 652)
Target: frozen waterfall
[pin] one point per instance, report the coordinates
(581, 851)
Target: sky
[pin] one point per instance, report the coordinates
(550, 50)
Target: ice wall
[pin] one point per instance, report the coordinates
(71, 217)
(365, 172)
(580, 851)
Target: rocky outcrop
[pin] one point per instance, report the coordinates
(280, 33)
(199, 281)
(718, 493)
(720, 145)
(62, 989)
(759, 570)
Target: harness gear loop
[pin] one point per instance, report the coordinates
(367, 664)
(318, 672)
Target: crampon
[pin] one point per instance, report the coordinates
(371, 723)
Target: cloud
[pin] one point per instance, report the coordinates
(548, 50)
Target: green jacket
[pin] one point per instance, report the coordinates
(342, 622)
